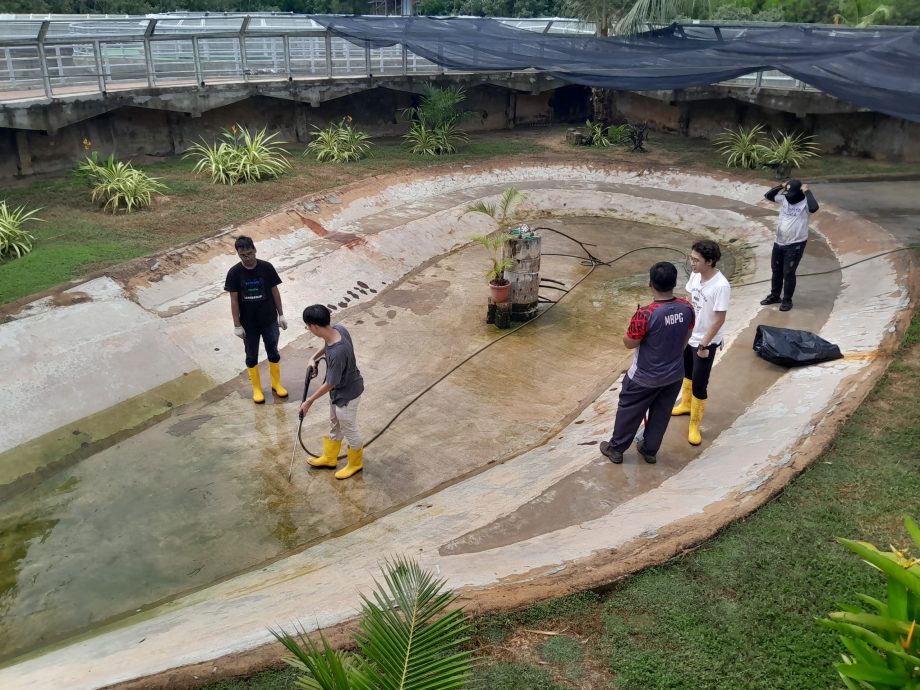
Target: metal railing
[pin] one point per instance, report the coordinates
(49, 58)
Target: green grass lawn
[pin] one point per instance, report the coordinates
(77, 238)
(739, 612)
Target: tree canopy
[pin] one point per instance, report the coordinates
(603, 12)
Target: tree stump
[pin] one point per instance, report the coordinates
(490, 312)
(503, 315)
(524, 274)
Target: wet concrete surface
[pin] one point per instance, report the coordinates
(892, 204)
(203, 494)
(601, 486)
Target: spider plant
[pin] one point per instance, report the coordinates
(338, 143)
(788, 150)
(741, 148)
(14, 240)
(118, 184)
(241, 157)
(604, 137)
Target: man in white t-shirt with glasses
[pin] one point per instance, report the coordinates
(710, 293)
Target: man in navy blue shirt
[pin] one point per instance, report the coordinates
(658, 332)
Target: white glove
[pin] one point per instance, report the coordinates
(239, 332)
(282, 322)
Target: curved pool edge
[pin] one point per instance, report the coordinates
(685, 510)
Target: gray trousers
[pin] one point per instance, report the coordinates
(635, 401)
(343, 423)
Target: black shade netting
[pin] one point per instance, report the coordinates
(878, 69)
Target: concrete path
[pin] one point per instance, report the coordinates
(493, 478)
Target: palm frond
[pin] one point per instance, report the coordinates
(482, 207)
(408, 635)
(649, 12)
(326, 668)
(510, 198)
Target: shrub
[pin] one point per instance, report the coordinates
(787, 151)
(603, 137)
(240, 157)
(338, 143)
(407, 639)
(435, 121)
(883, 645)
(14, 241)
(741, 148)
(118, 185)
(782, 152)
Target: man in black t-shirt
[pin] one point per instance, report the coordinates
(255, 304)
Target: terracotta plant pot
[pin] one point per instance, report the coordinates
(501, 293)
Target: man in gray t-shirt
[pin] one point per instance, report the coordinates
(344, 385)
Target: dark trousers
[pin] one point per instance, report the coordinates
(635, 401)
(697, 369)
(783, 263)
(269, 334)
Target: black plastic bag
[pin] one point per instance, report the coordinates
(791, 348)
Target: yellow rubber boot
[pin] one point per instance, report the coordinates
(257, 396)
(274, 370)
(697, 407)
(683, 407)
(355, 464)
(330, 456)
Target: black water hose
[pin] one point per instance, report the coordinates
(311, 373)
(837, 268)
(589, 260)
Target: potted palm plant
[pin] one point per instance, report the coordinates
(499, 286)
(501, 212)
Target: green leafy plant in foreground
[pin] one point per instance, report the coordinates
(118, 184)
(14, 240)
(338, 143)
(407, 639)
(883, 639)
(240, 157)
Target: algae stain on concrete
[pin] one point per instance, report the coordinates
(15, 536)
(89, 435)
